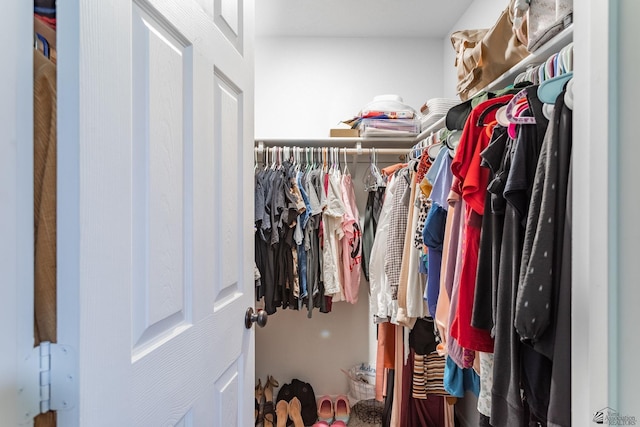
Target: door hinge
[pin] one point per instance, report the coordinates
(51, 381)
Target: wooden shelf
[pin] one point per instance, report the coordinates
(370, 142)
(431, 129)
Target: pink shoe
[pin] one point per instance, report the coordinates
(325, 409)
(339, 423)
(321, 424)
(342, 409)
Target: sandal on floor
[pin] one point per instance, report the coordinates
(269, 405)
(259, 415)
(260, 412)
(269, 414)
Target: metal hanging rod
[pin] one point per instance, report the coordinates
(344, 150)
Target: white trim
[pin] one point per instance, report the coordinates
(591, 247)
(69, 39)
(16, 208)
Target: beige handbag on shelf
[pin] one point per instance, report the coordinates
(482, 55)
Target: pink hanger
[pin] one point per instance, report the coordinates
(513, 126)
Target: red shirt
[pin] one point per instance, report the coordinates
(473, 184)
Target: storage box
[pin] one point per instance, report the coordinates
(390, 127)
(344, 132)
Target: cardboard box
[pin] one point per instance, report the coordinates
(344, 133)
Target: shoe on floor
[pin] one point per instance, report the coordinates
(325, 409)
(342, 409)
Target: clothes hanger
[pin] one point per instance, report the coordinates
(488, 111)
(273, 158)
(46, 36)
(416, 151)
(296, 159)
(345, 170)
(333, 159)
(501, 116)
(551, 87)
(512, 105)
(568, 95)
(512, 128)
(452, 142)
(45, 44)
(323, 152)
(378, 174)
(549, 90)
(268, 158)
(370, 178)
(255, 161)
(285, 155)
(433, 150)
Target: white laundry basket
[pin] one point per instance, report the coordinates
(362, 382)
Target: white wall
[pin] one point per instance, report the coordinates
(480, 14)
(305, 86)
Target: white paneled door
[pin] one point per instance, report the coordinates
(155, 246)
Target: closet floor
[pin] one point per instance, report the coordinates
(355, 422)
(366, 413)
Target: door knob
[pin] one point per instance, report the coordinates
(250, 317)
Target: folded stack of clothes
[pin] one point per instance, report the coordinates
(435, 109)
(388, 115)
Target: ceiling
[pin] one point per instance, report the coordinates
(357, 18)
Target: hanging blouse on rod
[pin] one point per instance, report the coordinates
(308, 235)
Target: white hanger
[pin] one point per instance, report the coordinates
(568, 95)
(345, 171)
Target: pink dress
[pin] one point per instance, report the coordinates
(351, 242)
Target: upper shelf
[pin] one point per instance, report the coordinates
(369, 142)
(554, 45)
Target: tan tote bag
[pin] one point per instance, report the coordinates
(482, 55)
